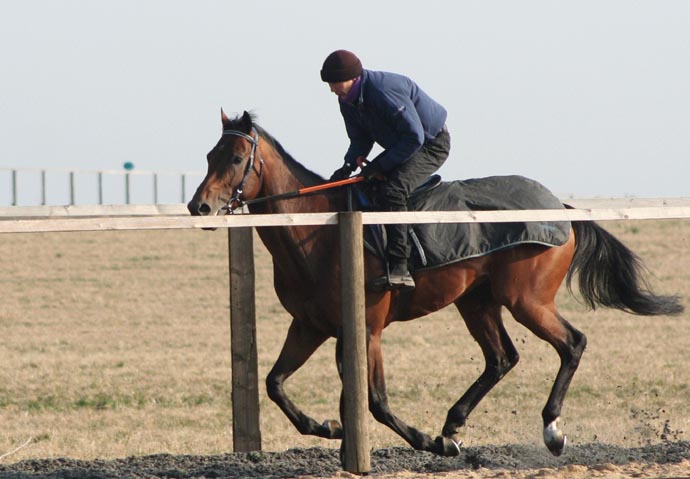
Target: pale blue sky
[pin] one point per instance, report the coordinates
(588, 97)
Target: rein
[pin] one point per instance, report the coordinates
(235, 200)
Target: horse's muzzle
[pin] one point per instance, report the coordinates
(198, 208)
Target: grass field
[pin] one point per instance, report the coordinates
(117, 343)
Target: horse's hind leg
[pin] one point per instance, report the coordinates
(544, 321)
(300, 344)
(482, 315)
(525, 280)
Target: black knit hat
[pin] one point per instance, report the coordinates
(341, 65)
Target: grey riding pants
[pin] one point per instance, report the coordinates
(402, 181)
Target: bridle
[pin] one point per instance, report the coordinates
(235, 200)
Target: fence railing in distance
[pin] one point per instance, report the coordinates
(31, 186)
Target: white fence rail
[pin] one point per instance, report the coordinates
(20, 219)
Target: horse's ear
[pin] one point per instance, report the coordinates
(224, 118)
(247, 122)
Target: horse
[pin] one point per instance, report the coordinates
(248, 163)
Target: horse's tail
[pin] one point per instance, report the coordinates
(612, 275)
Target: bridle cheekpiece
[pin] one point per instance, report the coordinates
(236, 200)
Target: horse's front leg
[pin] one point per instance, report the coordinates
(378, 405)
(300, 344)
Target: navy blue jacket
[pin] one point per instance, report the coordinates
(395, 113)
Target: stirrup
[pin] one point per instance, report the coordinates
(389, 282)
(403, 281)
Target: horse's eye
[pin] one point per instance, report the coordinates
(236, 160)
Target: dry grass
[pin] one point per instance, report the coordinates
(117, 344)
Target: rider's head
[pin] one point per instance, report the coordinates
(340, 69)
(341, 65)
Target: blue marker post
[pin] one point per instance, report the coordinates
(128, 166)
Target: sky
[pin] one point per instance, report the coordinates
(589, 97)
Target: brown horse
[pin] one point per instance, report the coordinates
(248, 163)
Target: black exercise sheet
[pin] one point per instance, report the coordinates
(451, 242)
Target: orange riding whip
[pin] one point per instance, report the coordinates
(307, 190)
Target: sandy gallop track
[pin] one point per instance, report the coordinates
(591, 460)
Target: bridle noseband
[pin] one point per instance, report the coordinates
(235, 200)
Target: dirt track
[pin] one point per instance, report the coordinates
(670, 459)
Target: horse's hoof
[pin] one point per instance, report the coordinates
(334, 429)
(448, 447)
(554, 438)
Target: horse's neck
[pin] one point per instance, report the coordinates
(298, 251)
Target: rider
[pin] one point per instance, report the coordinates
(391, 110)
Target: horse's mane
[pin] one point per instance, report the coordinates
(295, 166)
(298, 169)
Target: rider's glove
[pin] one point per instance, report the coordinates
(372, 170)
(342, 173)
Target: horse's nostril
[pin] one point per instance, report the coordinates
(204, 209)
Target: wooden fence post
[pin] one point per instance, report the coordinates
(246, 435)
(356, 454)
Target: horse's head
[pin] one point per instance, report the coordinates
(234, 169)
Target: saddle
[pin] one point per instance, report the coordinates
(435, 245)
(362, 198)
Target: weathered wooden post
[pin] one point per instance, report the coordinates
(356, 458)
(246, 435)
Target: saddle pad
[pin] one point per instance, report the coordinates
(451, 242)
